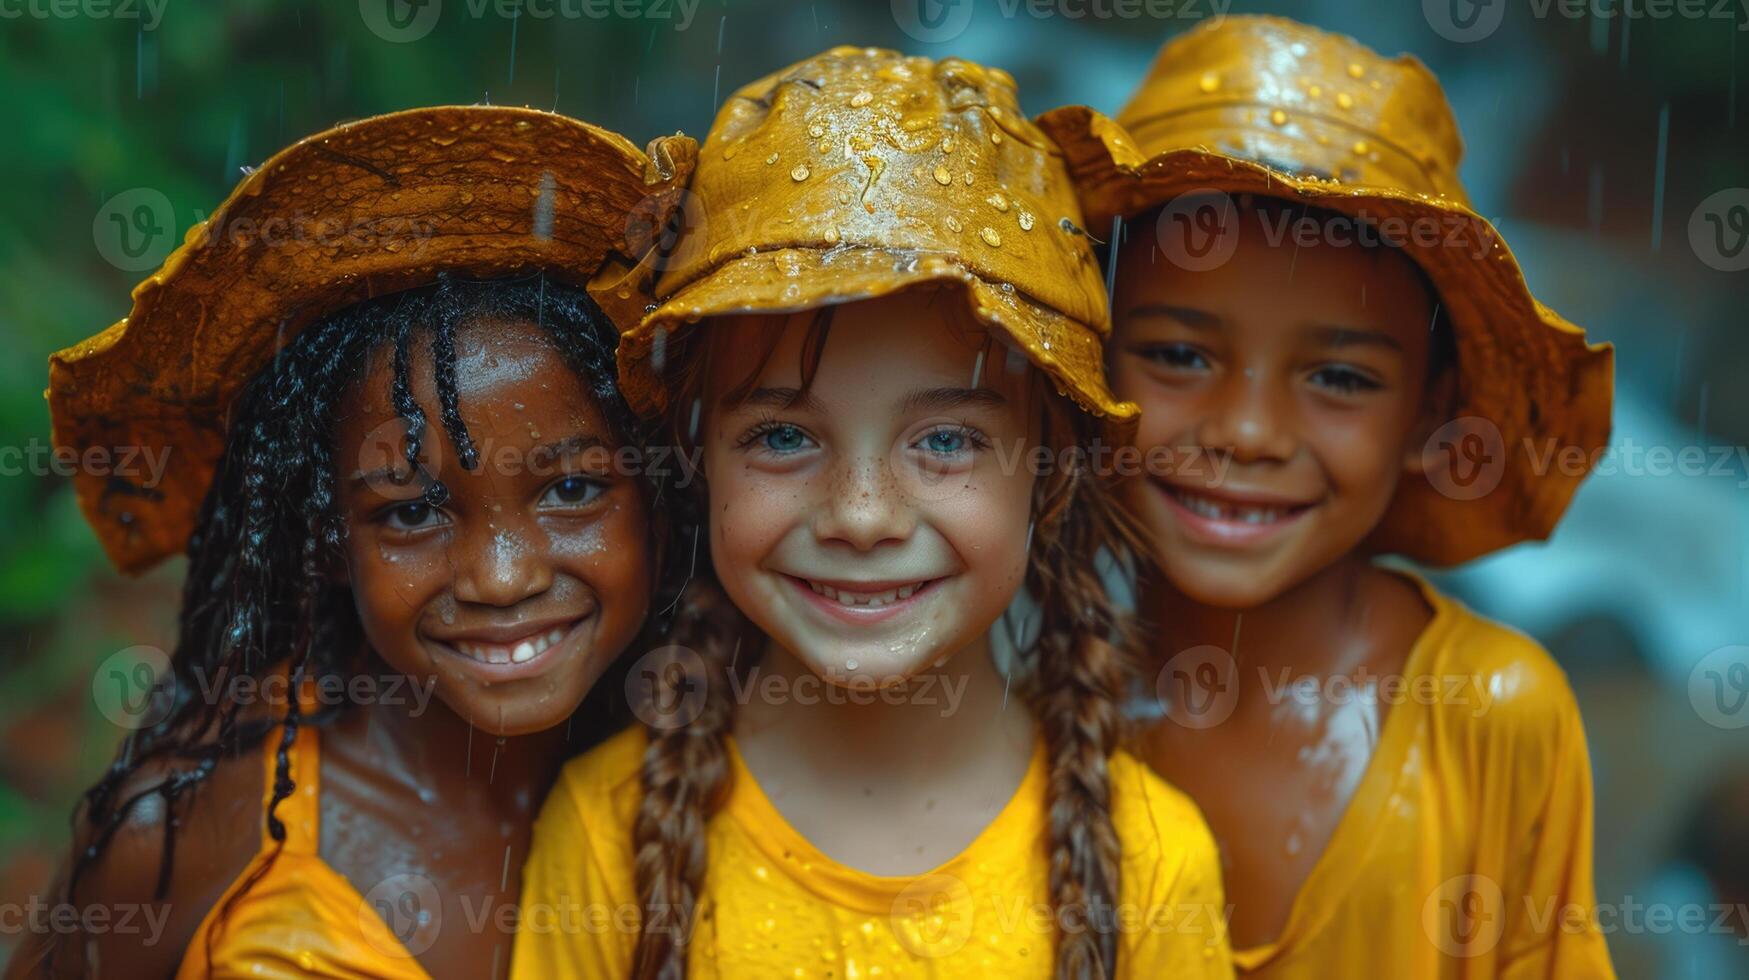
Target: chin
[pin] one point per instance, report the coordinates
(1233, 585)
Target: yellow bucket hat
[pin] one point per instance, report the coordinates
(860, 172)
(368, 208)
(1269, 106)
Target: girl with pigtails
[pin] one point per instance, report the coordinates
(882, 347)
(390, 445)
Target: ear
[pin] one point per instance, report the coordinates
(1438, 403)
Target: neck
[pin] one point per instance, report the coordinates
(962, 710)
(419, 742)
(1318, 625)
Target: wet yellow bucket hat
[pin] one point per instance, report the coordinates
(368, 208)
(860, 172)
(1269, 106)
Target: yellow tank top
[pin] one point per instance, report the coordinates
(300, 918)
(1465, 852)
(773, 905)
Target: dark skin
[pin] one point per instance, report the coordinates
(1292, 386)
(544, 538)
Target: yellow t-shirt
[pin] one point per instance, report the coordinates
(1465, 852)
(773, 905)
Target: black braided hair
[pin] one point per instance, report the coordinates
(256, 600)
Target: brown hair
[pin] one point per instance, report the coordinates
(1075, 676)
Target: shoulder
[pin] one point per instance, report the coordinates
(604, 781)
(1494, 679)
(209, 853)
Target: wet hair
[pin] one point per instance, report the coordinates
(1074, 676)
(259, 597)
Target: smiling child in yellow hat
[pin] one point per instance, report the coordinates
(1337, 359)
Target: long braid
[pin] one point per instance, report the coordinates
(1082, 664)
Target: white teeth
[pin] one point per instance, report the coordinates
(869, 600)
(522, 652)
(1218, 511)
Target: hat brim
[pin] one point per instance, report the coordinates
(368, 208)
(792, 280)
(1521, 367)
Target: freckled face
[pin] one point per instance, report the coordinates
(869, 525)
(517, 590)
(1288, 386)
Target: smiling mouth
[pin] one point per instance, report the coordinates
(1233, 511)
(866, 599)
(519, 652)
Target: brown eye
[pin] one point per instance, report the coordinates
(413, 515)
(572, 491)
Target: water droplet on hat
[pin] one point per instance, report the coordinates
(947, 144)
(861, 99)
(816, 130)
(990, 237)
(1360, 148)
(1355, 70)
(996, 136)
(1345, 100)
(800, 173)
(1278, 117)
(1025, 220)
(1315, 91)
(832, 235)
(953, 224)
(998, 201)
(771, 159)
(1209, 82)
(942, 177)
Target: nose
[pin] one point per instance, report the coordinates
(500, 565)
(864, 505)
(1249, 420)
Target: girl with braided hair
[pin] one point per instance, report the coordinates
(404, 423)
(894, 747)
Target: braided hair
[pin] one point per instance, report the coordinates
(257, 599)
(1074, 676)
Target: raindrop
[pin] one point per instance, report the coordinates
(1025, 220)
(1209, 82)
(1344, 100)
(800, 173)
(990, 237)
(1278, 117)
(861, 99)
(942, 177)
(771, 159)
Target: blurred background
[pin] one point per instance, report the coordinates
(1610, 147)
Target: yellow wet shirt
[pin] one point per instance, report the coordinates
(299, 917)
(1465, 852)
(773, 905)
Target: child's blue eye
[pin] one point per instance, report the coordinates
(572, 491)
(1344, 380)
(782, 438)
(944, 441)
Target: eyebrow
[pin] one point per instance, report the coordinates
(944, 399)
(779, 397)
(558, 447)
(1189, 316)
(1332, 335)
